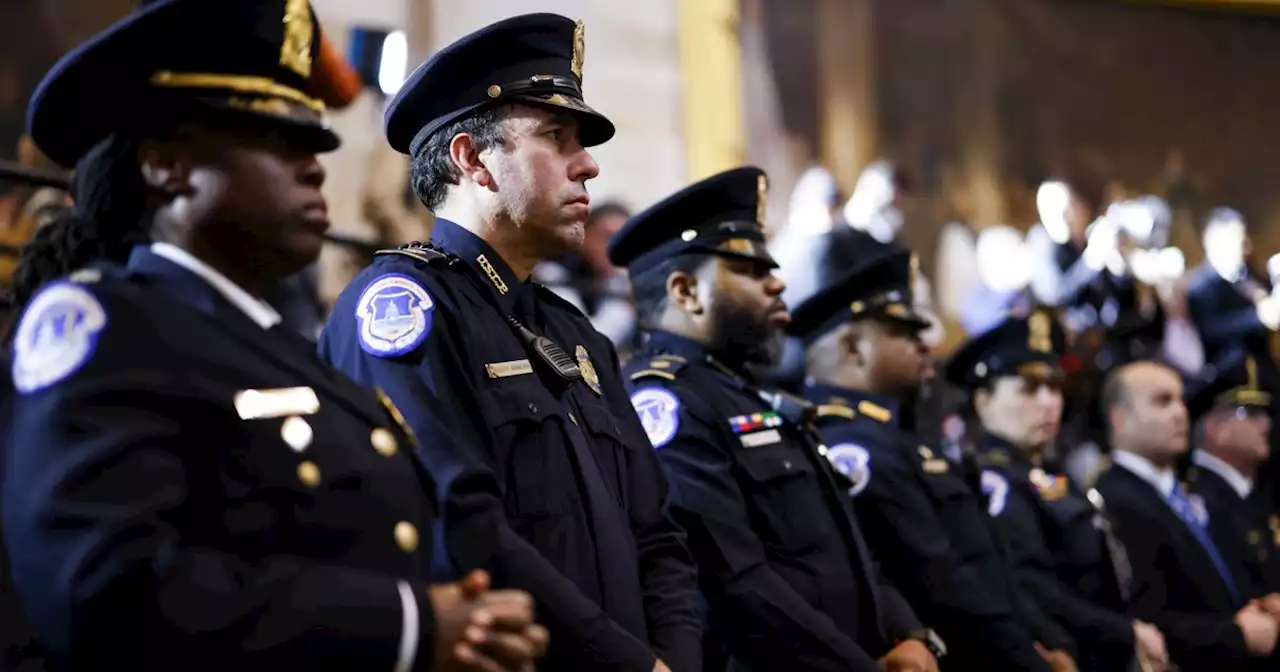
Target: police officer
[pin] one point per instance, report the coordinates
(185, 487)
(785, 571)
(1231, 412)
(548, 479)
(864, 358)
(1059, 544)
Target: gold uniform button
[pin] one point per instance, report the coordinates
(406, 536)
(383, 441)
(309, 474)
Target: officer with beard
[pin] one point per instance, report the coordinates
(785, 572)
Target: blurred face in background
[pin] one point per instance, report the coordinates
(1239, 435)
(601, 227)
(1023, 410)
(1226, 246)
(896, 360)
(1151, 419)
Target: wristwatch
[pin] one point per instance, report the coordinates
(931, 641)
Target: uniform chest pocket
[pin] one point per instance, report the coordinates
(609, 448)
(784, 497)
(528, 452)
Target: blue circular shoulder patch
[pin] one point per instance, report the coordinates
(393, 315)
(56, 336)
(996, 488)
(659, 412)
(854, 462)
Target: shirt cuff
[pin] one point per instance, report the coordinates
(410, 628)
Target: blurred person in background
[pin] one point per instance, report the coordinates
(592, 284)
(1231, 410)
(1004, 269)
(1232, 306)
(1060, 546)
(874, 214)
(1182, 583)
(800, 248)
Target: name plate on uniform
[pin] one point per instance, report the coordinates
(515, 367)
(276, 403)
(757, 439)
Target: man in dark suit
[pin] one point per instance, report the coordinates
(186, 487)
(1231, 306)
(1181, 581)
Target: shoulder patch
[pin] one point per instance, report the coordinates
(393, 315)
(854, 462)
(996, 488)
(57, 335)
(659, 412)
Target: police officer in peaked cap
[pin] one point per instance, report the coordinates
(186, 487)
(865, 358)
(1060, 542)
(546, 475)
(785, 570)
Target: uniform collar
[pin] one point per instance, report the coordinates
(166, 260)
(1163, 480)
(880, 408)
(1238, 481)
(486, 261)
(671, 344)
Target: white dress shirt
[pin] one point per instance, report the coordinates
(1238, 482)
(258, 310)
(1163, 480)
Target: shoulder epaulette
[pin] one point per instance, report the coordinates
(875, 411)
(994, 458)
(417, 251)
(836, 411)
(661, 366)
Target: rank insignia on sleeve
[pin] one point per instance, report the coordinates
(394, 315)
(57, 335)
(854, 462)
(659, 412)
(589, 375)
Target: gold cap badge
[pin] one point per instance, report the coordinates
(762, 197)
(1039, 339)
(579, 49)
(295, 51)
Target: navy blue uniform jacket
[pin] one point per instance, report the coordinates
(1061, 553)
(554, 491)
(783, 564)
(929, 529)
(202, 494)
